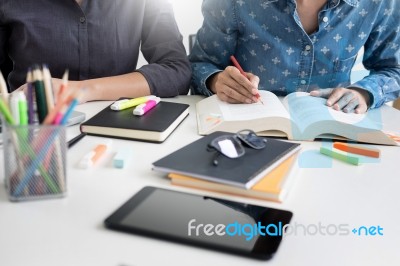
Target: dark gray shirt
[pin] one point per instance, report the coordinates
(97, 39)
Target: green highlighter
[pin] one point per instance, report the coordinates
(340, 156)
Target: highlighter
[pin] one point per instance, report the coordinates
(145, 107)
(125, 104)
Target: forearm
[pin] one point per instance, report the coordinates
(111, 88)
(207, 61)
(383, 86)
(201, 77)
(168, 72)
(381, 57)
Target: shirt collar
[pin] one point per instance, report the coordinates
(353, 3)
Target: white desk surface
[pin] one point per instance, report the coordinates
(70, 231)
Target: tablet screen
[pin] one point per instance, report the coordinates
(204, 221)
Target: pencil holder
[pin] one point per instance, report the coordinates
(34, 161)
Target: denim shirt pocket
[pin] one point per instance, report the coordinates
(344, 65)
(342, 70)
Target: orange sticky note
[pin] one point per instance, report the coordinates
(356, 149)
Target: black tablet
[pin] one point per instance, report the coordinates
(218, 224)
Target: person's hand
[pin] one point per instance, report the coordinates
(232, 87)
(348, 100)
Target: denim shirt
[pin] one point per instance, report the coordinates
(268, 40)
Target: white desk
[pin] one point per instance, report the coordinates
(70, 231)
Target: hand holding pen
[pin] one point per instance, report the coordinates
(233, 85)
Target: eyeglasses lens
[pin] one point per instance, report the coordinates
(251, 139)
(228, 146)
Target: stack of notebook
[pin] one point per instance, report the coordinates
(264, 174)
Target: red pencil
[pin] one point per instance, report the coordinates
(236, 64)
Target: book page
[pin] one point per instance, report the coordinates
(306, 110)
(272, 107)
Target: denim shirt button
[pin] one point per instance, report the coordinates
(325, 19)
(303, 82)
(308, 47)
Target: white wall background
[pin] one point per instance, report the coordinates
(189, 19)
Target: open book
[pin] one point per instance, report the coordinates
(298, 116)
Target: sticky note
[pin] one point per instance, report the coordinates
(340, 156)
(357, 149)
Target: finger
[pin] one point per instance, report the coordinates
(235, 90)
(344, 100)
(225, 98)
(362, 108)
(255, 80)
(350, 107)
(323, 93)
(230, 95)
(335, 96)
(223, 83)
(242, 83)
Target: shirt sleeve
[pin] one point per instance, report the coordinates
(168, 72)
(215, 43)
(382, 57)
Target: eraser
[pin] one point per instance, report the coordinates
(122, 157)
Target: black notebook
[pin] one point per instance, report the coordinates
(196, 160)
(154, 126)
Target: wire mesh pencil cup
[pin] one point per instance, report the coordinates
(34, 161)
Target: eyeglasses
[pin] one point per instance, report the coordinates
(231, 145)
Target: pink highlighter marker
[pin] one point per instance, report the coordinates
(145, 107)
